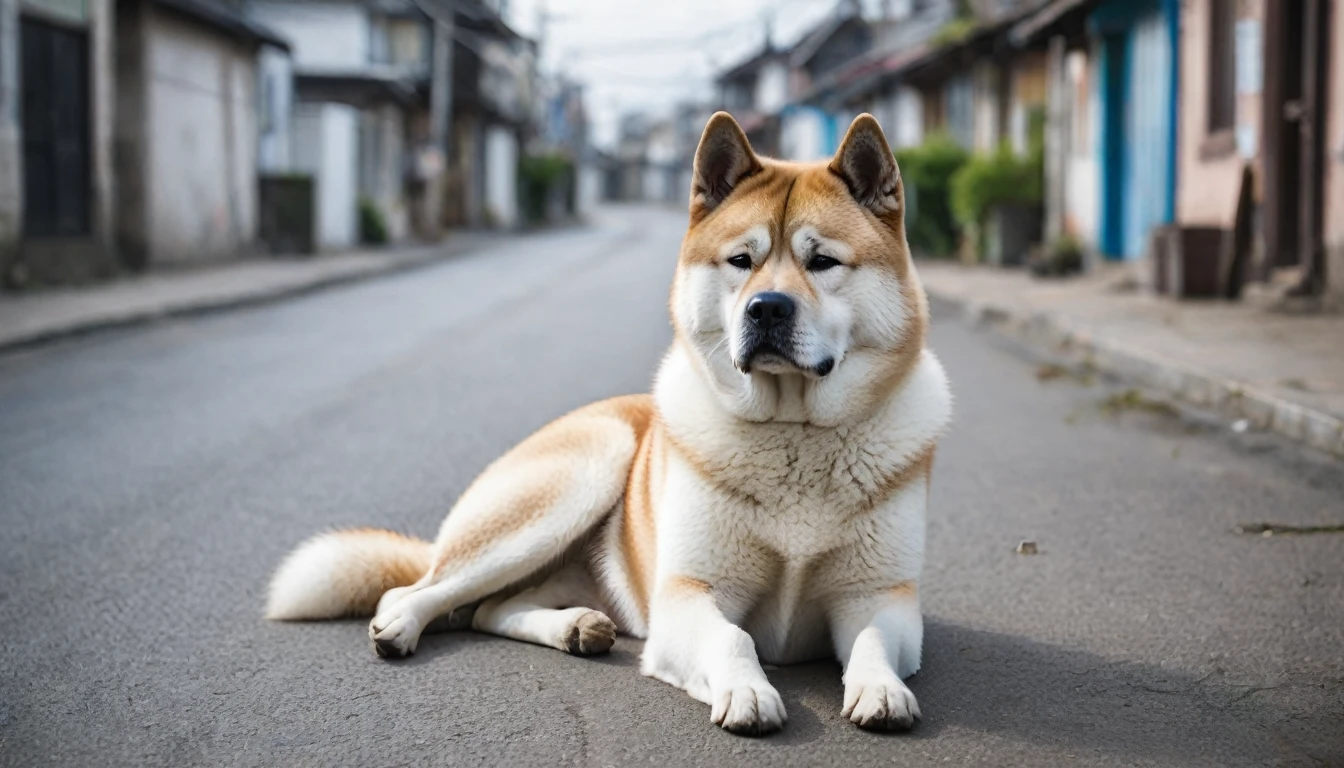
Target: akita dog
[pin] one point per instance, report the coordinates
(765, 504)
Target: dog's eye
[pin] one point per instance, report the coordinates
(821, 263)
(741, 261)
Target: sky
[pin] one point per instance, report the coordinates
(641, 55)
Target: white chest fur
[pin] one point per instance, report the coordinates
(780, 517)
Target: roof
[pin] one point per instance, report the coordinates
(1046, 19)
(471, 14)
(811, 43)
(225, 19)
(356, 87)
(751, 63)
(863, 72)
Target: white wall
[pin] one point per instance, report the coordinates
(907, 120)
(1082, 191)
(333, 36)
(326, 141)
(202, 143)
(382, 166)
(772, 87)
(275, 100)
(590, 189)
(803, 135)
(501, 176)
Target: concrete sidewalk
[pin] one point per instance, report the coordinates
(1278, 371)
(42, 315)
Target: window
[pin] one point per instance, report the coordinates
(1222, 65)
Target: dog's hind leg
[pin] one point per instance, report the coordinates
(561, 612)
(520, 516)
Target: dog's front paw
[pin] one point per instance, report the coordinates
(748, 709)
(590, 634)
(394, 634)
(882, 705)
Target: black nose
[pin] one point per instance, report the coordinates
(769, 309)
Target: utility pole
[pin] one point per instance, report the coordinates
(441, 19)
(441, 93)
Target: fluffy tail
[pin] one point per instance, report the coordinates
(343, 573)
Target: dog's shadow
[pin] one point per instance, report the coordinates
(1035, 693)
(1080, 703)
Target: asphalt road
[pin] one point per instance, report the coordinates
(151, 478)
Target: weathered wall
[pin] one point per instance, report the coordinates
(1027, 95)
(202, 145)
(1334, 166)
(772, 87)
(326, 140)
(501, 176)
(11, 167)
(1078, 136)
(130, 131)
(382, 156)
(67, 259)
(805, 134)
(1209, 165)
(275, 78)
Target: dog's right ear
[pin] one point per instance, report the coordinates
(723, 159)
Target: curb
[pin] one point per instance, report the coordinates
(222, 302)
(1262, 410)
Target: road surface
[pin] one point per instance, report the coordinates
(150, 479)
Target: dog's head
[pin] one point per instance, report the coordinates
(795, 290)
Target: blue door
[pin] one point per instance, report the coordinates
(1147, 181)
(1137, 59)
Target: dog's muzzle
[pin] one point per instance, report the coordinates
(767, 335)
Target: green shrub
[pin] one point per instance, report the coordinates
(1001, 177)
(988, 180)
(372, 227)
(538, 175)
(927, 171)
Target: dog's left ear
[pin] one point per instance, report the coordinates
(866, 165)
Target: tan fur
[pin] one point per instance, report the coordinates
(362, 564)
(905, 589)
(919, 467)
(639, 532)
(685, 585)
(542, 469)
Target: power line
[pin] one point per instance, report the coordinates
(663, 43)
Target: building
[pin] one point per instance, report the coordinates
(814, 120)
(1072, 186)
(1137, 50)
(57, 124)
(187, 130)
(493, 90)
(754, 91)
(129, 135)
(875, 82)
(1262, 93)
(562, 130)
(362, 80)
